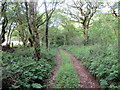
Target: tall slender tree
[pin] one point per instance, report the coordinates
(48, 16)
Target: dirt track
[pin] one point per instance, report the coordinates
(86, 79)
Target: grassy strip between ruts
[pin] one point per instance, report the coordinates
(66, 76)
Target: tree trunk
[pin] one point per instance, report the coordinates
(8, 36)
(37, 45)
(35, 34)
(86, 36)
(46, 34)
(3, 34)
(85, 32)
(4, 25)
(29, 26)
(4, 21)
(47, 22)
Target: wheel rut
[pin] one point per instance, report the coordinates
(51, 80)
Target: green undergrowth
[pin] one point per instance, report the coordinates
(66, 76)
(20, 70)
(101, 61)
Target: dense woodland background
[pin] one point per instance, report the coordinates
(32, 31)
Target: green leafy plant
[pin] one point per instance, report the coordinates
(23, 71)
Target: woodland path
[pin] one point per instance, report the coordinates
(86, 79)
